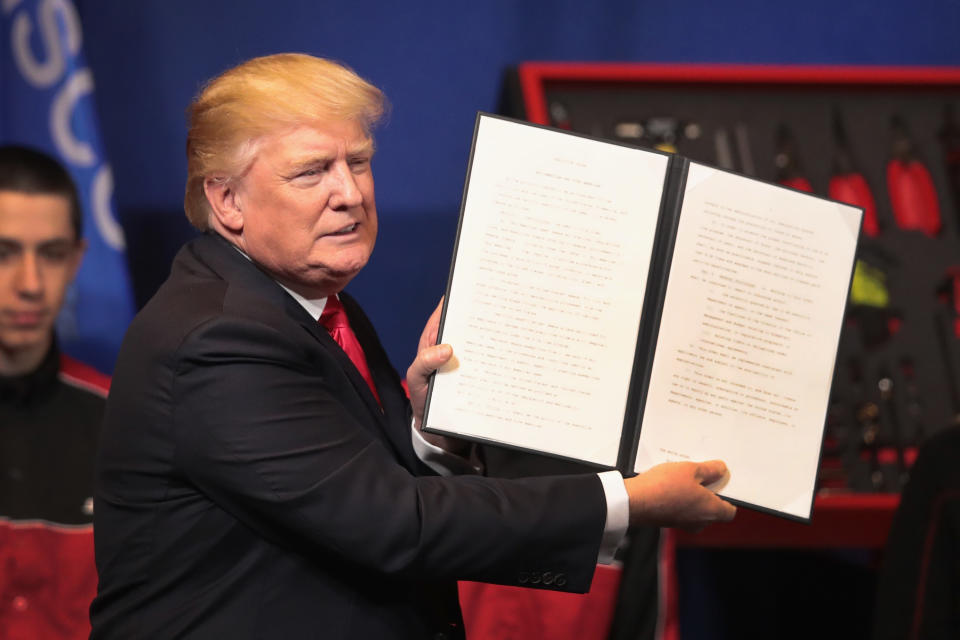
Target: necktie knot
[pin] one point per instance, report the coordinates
(333, 316)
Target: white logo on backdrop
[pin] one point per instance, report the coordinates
(47, 73)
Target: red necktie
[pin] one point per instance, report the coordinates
(334, 320)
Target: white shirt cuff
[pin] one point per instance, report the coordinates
(441, 460)
(618, 515)
(618, 503)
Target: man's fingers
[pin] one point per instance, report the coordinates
(722, 511)
(672, 494)
(429, 360)
(436, 356)
(429, 336)
(710, 471)
(727, 511)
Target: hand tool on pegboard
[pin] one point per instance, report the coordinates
(833, 474)
(860, 469)
(913, 196)
(950, 141)
(947, 327)
(914, 402)
(890, 421)
(877, 323)
(724, 155)
(787, 161)
(883, 444)
(847, 184)
(948, 292)
(865, 474)
(559, 115)
(660, 132)
(869, 310)
(742, 135)
(722, 150)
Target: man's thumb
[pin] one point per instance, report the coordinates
(711, 471)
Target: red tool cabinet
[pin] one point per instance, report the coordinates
(893, 131)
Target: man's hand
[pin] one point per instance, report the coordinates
(673, 495)
(430, 357)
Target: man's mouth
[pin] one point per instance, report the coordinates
(23, 319)
(345, 231)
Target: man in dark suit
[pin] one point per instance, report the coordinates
(262, 475)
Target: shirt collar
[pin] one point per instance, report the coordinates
(312, 306)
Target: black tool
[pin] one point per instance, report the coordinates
(868, 416)
(914, 402)
(889, 415)
(787, 161)
(951, 374)
(875, 325)
(724, 154)
(743, 149)
(864, 475)
(950, 141)
(947, 326)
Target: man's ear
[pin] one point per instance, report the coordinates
(224, 202)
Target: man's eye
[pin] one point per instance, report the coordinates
(55, 254)
(312, 171)
(359, 164)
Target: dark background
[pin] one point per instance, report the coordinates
(438, 63)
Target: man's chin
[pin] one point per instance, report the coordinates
(23, 339)
(319, 283)
(342, 271)
(336, 281)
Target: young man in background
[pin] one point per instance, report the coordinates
(50, 409)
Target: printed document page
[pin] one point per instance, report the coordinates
(748, 338)
(547, 286)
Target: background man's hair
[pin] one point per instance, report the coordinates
(27, 170)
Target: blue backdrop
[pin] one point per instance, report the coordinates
(438, 62)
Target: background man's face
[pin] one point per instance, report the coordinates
(309, 215)
(39, 256)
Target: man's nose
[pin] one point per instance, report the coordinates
(346, 193)
(29, 280)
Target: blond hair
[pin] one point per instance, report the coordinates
(261, 96)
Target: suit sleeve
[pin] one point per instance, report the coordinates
(261, 428)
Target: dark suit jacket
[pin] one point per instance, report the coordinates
(249, 486)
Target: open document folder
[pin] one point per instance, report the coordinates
(624, 307)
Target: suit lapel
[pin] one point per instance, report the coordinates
(218, 255)
(359, 384)
(385, 377)
(393, 418)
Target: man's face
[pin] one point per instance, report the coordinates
(39, 256)
(307, 202)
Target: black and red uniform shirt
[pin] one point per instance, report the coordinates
(49, 426)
